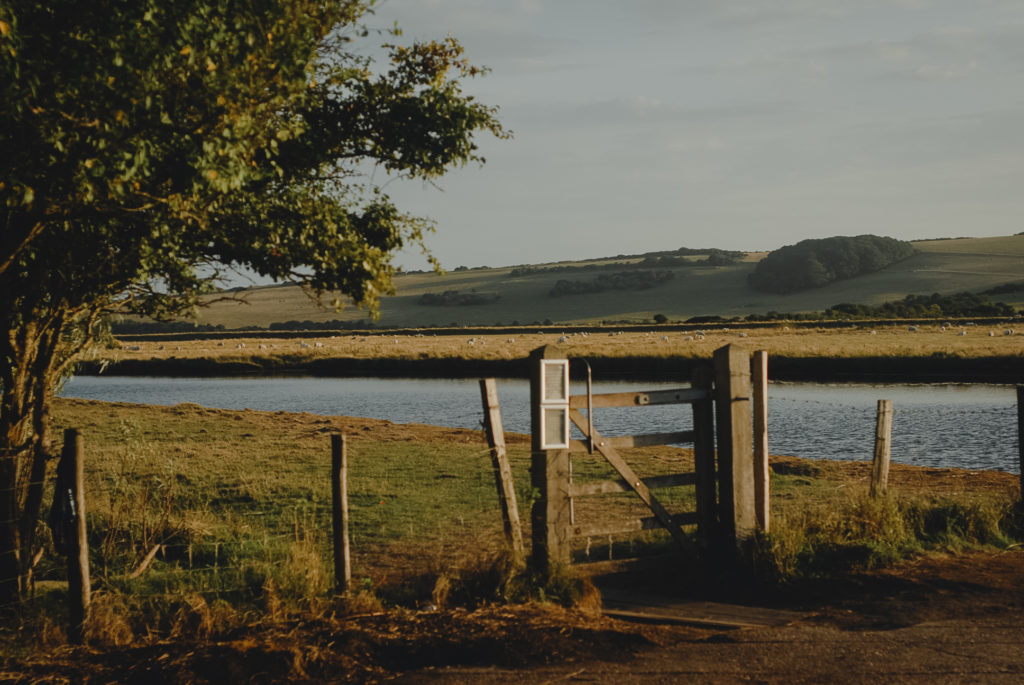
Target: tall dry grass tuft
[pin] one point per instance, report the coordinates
(109, 622)
(857, 531)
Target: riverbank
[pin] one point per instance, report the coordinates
(935, 368)
(919, 353)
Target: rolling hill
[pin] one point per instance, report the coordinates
(522, 295)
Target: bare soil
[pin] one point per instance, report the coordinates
(937, 619)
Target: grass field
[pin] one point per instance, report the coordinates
(239, 504)
(942, 266)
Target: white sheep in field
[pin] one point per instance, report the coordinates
(239, 346)
(664, 338)
(319, 344)
(689, 337)
(511, 341)
(963, 333)
(563, 339)
(874, 333)
(743, 335)
(912, 329)
(1008, 331)
(303, 345)
(261, 346)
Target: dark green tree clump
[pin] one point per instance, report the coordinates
(454, 298)
(146, 147)
(818, 261)
(625, 280)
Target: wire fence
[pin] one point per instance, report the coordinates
(163, 522)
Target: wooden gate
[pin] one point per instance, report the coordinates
(729, 518)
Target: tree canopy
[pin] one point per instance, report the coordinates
(818, 261)
(148, 146)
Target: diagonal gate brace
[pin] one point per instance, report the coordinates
(637, 485)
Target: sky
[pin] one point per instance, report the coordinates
(647, 125)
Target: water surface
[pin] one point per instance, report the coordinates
(967, 426)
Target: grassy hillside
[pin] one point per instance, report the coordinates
(943, 266)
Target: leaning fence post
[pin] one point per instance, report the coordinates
(79, 586)
(339, 498)
(883, 448)
(502, 471)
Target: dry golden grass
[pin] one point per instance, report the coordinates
(890, 340)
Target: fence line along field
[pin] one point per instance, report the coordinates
(237, 505)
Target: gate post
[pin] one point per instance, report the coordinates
(549, 471)
(737, 512)
(704, 455)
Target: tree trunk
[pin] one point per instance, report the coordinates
(34, 363)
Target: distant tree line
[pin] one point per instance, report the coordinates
(1005, 289)
(453, 298)
(819, 261)
(150, 327)
(651, 260)
(958, 305)
(713, 258)
(332, 325)
(623, 280)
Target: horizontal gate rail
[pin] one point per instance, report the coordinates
(606, 487)
(632, 525)
(641, 399)
(628, 441)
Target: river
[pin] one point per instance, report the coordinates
(965, 426)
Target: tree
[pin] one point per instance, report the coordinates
(150, 145)
(816, 262)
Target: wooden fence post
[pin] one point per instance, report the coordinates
(502, 471)
(883, 448)
(339, 497)
(762, 494)
(549, 476)
(704, 455)
(1020, 435)
(737, 515)
(79, 586)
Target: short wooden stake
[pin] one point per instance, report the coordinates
(502, 471)
(339, 495)
(883, 448)
(762, 495)
(79, 586)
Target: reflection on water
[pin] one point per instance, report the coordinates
(968, 426)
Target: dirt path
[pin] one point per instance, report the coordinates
(938, 619)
